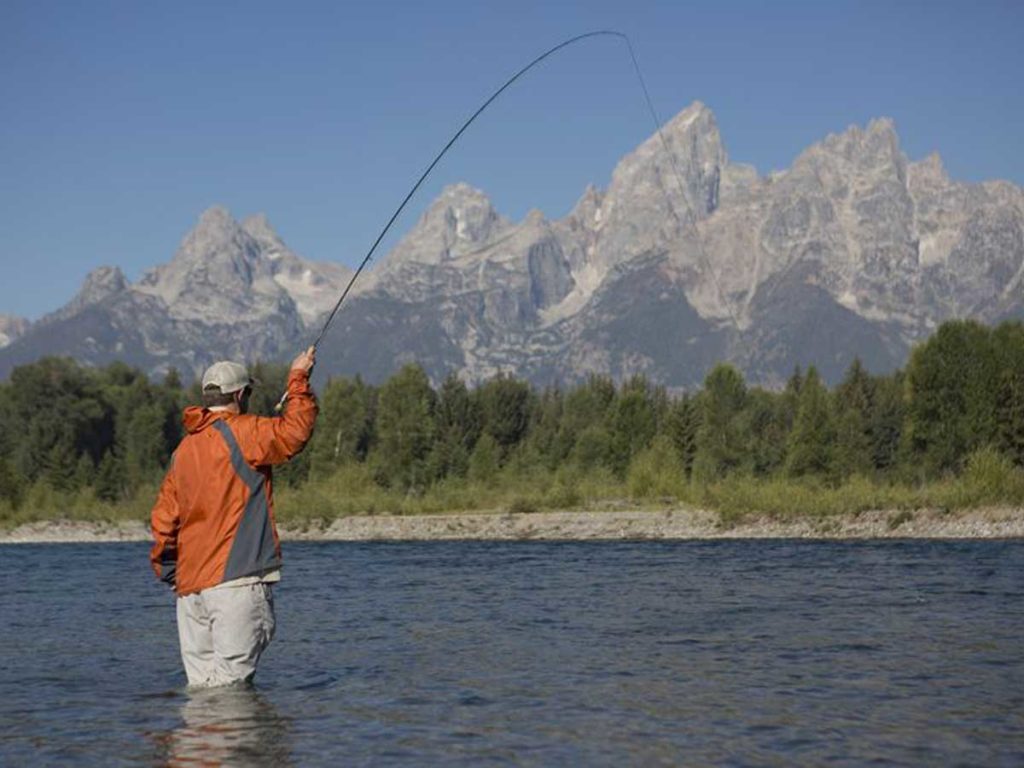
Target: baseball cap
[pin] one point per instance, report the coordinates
(227, 376)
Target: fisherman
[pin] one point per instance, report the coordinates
(215, 541)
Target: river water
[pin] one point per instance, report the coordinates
(633, 653)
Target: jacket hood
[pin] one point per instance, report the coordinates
(196, 419)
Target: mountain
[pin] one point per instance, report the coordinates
(684, 260)
(11, 328)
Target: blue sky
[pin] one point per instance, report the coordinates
(121, 122)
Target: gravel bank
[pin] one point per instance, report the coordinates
(667, 523)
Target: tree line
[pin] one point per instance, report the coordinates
(111, 431)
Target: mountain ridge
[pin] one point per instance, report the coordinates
(853, 242)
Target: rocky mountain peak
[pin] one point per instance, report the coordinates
(11, 328)
(461, 218)
(218, 273)
(216, 234)
(465, 211)
(101, 283)
(689, 161)
(876, 145)
(258, 227)
(930, 171)
(587, 211)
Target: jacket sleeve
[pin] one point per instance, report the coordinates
(275, 440)
(165, 520)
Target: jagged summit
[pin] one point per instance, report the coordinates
(258, 227)
(11, 328)
(461, 218)
(684, 260)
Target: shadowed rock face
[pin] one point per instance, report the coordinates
(686, 259)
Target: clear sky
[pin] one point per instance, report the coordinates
(120, 122)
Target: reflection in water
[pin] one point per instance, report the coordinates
(233, 725)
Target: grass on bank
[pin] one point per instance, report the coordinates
(654, 479)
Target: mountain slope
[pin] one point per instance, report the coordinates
(684, 260)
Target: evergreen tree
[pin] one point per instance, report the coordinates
(853, 405)
(811, 441)
(459, 421)
(12, 483)
(585, 406)
(546, 438)
(952, 383)
(145, 448)
(885, 421)
(172, 380)
(721, 441)
(682, 425)
(1011, 415)
(484, 463)
(632, 423)
(505, 408)
(109, 483)
(405, 430)
(60, 466)
(85, 472)
(766, 422)
(344, 427)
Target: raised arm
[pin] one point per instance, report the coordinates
(275, 440)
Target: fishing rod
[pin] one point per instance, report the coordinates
(474, 116)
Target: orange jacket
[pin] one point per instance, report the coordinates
(213, 520)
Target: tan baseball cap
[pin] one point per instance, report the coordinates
(227, 376)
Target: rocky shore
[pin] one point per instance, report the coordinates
(624, 524)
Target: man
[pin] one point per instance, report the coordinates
(214, 535)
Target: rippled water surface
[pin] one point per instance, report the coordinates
(740, 653)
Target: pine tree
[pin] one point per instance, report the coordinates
(631, 424)
(484, 463)
(721, 443)
(1011, 415)
(406, 429)
(12, 483)
(811, 441)
(61, 461)
(853, 404)
(109, 484)
(505, 408)
(952, 383)
(682, 425)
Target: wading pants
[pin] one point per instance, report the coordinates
(223, 631)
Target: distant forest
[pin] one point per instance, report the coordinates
(77, 436)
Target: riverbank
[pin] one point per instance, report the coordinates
(671, 522)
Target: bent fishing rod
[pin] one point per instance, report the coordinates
(508, 83)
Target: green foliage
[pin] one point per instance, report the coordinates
(504, 404)
(405, 430)
(852, 406)
(12, 484)
(344, 429)
(811, 443)
(483, 464)
(109, 485)
(682, 424)
(721, 440)
(632, 423)
(952, 392)
(657, 472)
(948, 433)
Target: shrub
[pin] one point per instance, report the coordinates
(657, 472)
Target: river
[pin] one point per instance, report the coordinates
(530, 653)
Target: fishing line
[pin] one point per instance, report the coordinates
(657, 124)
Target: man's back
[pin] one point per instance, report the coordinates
(214, 537)
(213, 521)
